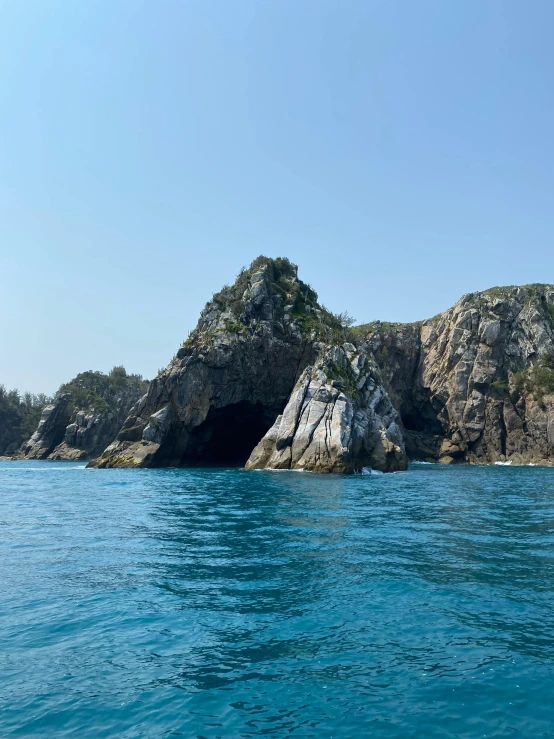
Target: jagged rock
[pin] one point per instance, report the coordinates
(472, 384)
(85, 416)
(338, 419)
(50, 430)
(473, 376)
(232, 377)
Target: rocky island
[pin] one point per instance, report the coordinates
(266, 369)
(270, 378)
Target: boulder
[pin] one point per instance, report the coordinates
(338, 419)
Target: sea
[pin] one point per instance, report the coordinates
(222, 603)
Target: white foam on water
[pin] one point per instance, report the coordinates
(370, 471)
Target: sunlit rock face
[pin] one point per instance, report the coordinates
(84, 416)
(234, 376)
(270, 379)
(231, 378)
(476, 382)
(338, 419)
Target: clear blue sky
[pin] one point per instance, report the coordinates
(401, 152)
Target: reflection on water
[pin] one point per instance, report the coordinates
(223, 603)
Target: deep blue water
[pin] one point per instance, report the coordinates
(224, 603)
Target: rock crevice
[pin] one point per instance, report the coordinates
(476, 383)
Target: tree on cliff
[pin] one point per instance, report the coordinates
(19, 416)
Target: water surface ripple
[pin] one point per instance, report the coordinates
(225, 603)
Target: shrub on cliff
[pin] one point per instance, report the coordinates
(98, 391)
(538, 380)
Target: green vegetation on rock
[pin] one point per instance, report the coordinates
(290, 303)
(538, 379)
(500, 386)
(19, 416)
(100, 392)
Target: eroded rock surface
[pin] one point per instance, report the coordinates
(50, 430)
(272, 379)
(85, 416)
(338, 419)
(475, 383)
(232, 377)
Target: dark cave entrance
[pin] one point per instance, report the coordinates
(228, 435)
(421, 414)
(424, 420)
(423, 428)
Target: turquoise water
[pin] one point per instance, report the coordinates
(224, 603)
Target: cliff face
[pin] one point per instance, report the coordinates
(475, 383)
(269, 378)
(50, 430)
(84, 417)
(234, 376)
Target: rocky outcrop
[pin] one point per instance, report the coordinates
(19, 417)
(50, 430)
(256, 343)
(270, 378)
(232, 377)
(475, 383)
(338, 419)
(84, 417)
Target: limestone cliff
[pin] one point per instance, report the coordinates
(475, 383)
(84, 417)
(338, 419)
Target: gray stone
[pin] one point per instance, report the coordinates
(328, 429)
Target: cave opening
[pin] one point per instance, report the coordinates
(421, 414)
(423, 420)
(423, 428)
(228, 435)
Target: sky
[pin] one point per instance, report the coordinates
(399, 151)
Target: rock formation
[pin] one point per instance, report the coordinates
(475, 383)
(255, 344)
(84, 417)
(50, 431)
(19, 416)
(270, 379)
(338, 419)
